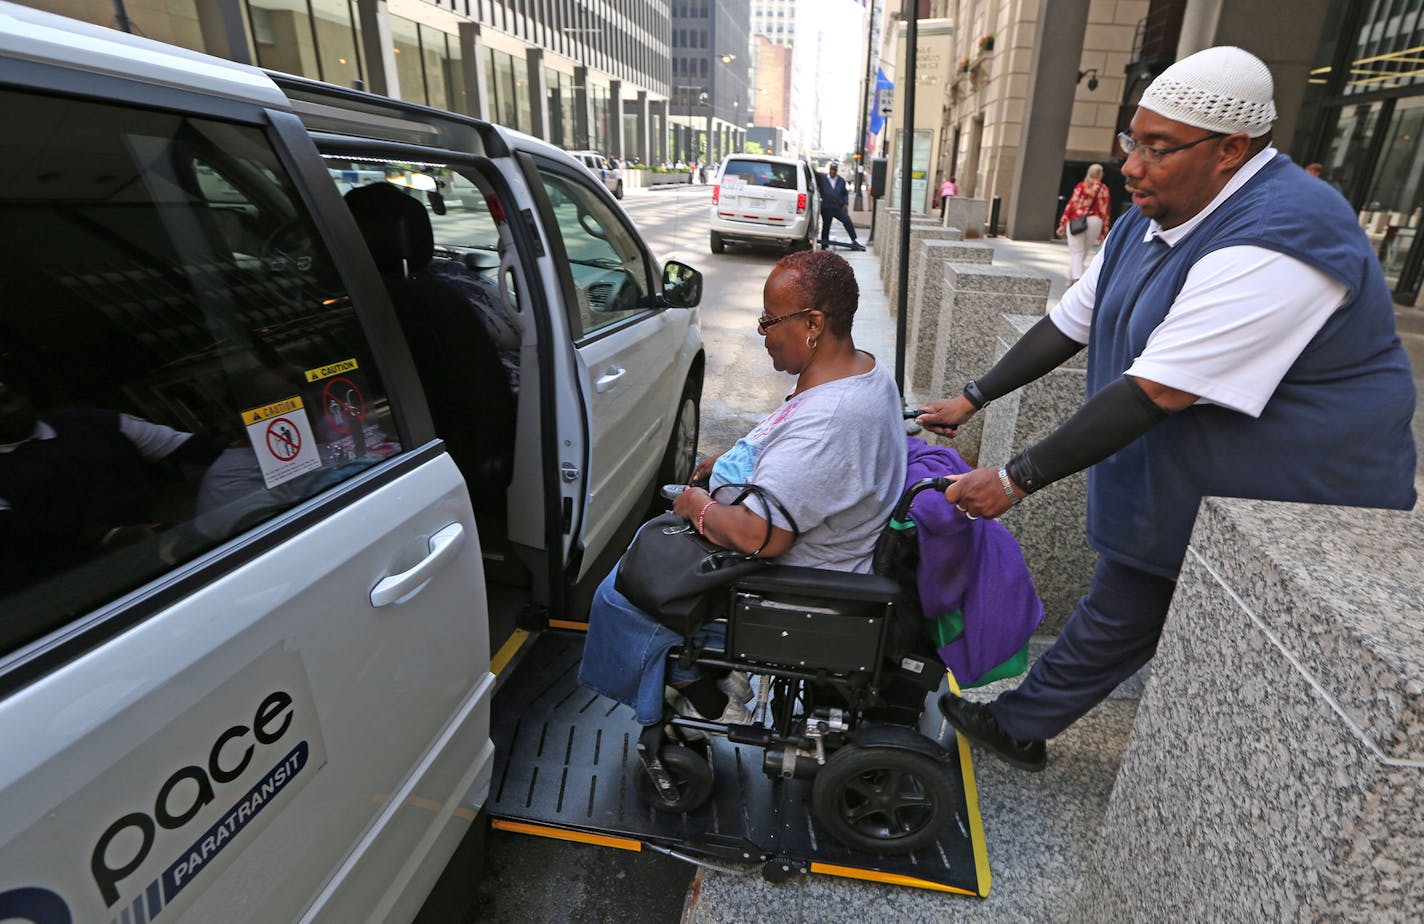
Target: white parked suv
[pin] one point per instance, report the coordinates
(761, 199)
(279, 470)
(600, 167)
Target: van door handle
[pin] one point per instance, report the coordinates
(444, 546)
(610, 375)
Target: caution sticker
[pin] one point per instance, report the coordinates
(326, 372)
(282, 437)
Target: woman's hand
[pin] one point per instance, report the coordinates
(946, 415)
(702, 473)
(690, 503)
(980, 493)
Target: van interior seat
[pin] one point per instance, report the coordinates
(465, 383)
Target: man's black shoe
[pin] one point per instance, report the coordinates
(856, 245)
(977, 722)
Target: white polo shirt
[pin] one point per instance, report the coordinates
(1242, 317)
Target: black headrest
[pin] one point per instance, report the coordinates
(395, 225)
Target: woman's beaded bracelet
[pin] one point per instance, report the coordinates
(702, 516)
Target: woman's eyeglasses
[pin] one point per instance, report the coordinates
(1151, 155)
(767, 322)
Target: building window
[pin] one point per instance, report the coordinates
(282, 37)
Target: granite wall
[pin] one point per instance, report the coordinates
(975, 298)
(922, 350)
(970, 215)
(1276, 766)
(1049, 524)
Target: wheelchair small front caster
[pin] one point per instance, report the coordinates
(688, 779)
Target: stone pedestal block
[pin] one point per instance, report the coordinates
(968, 214)
(926, 298)
(975, 297)
(1276, 766)
(919, 237)
(890, 251)
(1049, 525)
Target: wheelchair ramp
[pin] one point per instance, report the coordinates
(564, 769)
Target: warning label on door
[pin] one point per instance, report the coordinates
(282, 437)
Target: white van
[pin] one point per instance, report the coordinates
(761, 199)
(278, 471)
(599, 166)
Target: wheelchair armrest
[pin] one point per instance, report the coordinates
(818, 582)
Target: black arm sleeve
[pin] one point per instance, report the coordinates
(1038, 352)
(1111, 419)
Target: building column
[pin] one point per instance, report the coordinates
(617, 146)
(583, 116)
(538, 93)
(223, 31)
(378, 48)
(660, 143)
(474, 71)
(1294, 29)
(1053, 73)
(641, 145)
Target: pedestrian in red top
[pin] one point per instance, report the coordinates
(1090, 201)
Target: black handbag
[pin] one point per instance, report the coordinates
(1078, 225)
(676, 575)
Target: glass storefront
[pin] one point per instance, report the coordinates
(1362, 120)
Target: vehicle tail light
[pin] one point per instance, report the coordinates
(800, 203)
(716, 192)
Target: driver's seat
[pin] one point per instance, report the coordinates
(469, 395)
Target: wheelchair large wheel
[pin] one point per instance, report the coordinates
(882, 800)
(691, 773)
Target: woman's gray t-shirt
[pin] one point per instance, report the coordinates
(834, 456)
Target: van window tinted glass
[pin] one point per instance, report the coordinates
(761, 173)
(609, 271)
(179, 361)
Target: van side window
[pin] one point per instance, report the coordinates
(609, 271)
(179, 360)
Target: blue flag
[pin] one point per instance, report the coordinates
(883, 86)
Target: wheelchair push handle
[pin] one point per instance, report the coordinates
(902, 509)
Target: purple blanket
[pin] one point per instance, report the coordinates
(974, 566)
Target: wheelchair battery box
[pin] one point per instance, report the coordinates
(809, 619)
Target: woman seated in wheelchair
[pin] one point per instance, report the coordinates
(833, 455)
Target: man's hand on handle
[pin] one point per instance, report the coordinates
(946, 415)
(981, 493)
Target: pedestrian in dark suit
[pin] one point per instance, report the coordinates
(834, 199)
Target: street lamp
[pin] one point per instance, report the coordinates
(701, 98)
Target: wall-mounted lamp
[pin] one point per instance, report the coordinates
(728, 59)
(1092, 75)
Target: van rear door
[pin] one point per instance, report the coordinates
(243, 658)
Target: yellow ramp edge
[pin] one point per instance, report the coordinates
(870, 875)
(971, 800)
(565, 834)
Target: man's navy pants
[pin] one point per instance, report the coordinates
(843, 217)
(1112, 632)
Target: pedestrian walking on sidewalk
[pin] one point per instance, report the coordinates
(1241, 343)
(1090, 210)
(835, 198)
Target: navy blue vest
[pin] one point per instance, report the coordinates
(1336, 430)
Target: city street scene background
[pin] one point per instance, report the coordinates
(1014, 101)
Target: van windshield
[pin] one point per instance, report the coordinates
(760, 173)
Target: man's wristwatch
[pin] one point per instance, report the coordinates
(975, 396)
(1007, 484)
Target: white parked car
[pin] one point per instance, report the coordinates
(761, 199)
(602, 168)
(278, 471)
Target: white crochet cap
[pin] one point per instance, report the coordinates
(1223, 89)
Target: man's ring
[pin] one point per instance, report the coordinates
(961, 508)
(970, 516)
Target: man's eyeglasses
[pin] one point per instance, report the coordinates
(1151, 155)
(767, 322)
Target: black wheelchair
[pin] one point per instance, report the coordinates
(842, 667)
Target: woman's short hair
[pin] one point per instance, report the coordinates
(827, 283)
(1095, 172)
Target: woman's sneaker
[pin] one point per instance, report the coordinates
(737, 686)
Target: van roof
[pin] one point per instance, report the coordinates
(766, 158)
(30, 34)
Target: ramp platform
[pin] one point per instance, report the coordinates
(564, 768)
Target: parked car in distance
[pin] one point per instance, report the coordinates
(762, 199)
(307, 395)
(600, 167)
